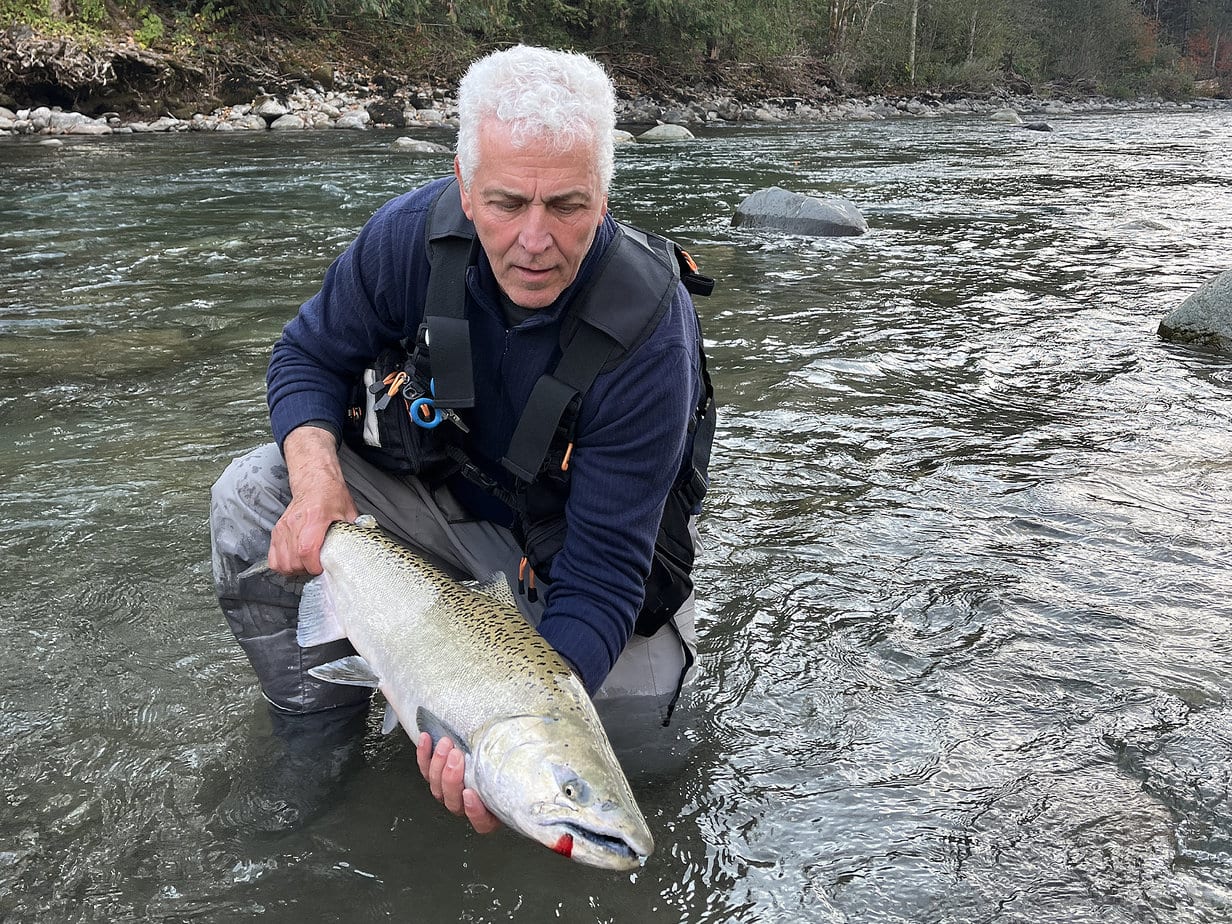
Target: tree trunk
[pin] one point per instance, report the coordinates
(975, 12)
(838, 23)
(915, 21)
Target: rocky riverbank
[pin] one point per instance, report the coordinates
(314, 108)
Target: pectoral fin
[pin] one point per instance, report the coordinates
(318, 620)
(390, 722)
(352, 671)
(257, 569)
(429, 723)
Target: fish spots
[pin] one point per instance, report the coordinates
(564, 846)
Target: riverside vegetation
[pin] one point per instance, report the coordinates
(176, 59)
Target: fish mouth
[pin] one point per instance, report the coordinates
(610, 845)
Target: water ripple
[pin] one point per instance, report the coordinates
(964, 588)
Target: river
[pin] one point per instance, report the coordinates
(965, 629)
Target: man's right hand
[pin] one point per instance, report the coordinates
(319, 497)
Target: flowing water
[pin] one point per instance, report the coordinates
(966, 623)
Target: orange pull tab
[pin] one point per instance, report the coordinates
(399, 379)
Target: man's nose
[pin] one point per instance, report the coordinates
(535, 235)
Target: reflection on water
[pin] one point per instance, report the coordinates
(966, 589)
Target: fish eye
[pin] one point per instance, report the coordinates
(572, 788)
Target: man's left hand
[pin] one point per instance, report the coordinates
(444, 767)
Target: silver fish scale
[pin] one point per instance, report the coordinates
(435, 643)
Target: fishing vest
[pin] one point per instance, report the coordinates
(623, 303)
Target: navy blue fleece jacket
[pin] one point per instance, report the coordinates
(632, 435)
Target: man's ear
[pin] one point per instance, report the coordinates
(466, 198)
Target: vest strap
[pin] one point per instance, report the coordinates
(553, 395)
(452, 250)
(453, 381)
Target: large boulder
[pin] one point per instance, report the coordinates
(416, 146)
(288, 122)
(384, 113)
(794, 213)
(1205, 318)
(666, 132)
(269, 109)
(354, 119)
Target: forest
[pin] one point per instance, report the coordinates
(1168, 48)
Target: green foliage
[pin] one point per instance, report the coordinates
(23, 11)
(91, 12)
(38, 15)
(961, 44)
(1170, 83)
(150, 29)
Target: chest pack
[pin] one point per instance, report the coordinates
(626, 299)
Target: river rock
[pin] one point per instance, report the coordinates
(386, 113)
(270, 109)
(416, 146)
(168, 124)
(862, 112)
(620, 136)
(781, 210)
(355, 119)
(677, 116)
(1008, 116)
(666, 132)
(63, 121)
(89, 127)
(250, 122)
(1037, 126)
(1144, 224)
(288, 122)
(1205, 318)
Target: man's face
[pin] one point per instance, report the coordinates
(536, 214)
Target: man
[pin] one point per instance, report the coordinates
(535, 159)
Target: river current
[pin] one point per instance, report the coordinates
(965, 596)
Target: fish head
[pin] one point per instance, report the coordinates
(557, 782)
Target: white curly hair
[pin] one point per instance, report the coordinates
(560, 99)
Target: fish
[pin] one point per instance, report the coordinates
(459, 660)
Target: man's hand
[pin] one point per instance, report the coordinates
(319, 497)
(444, 767)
